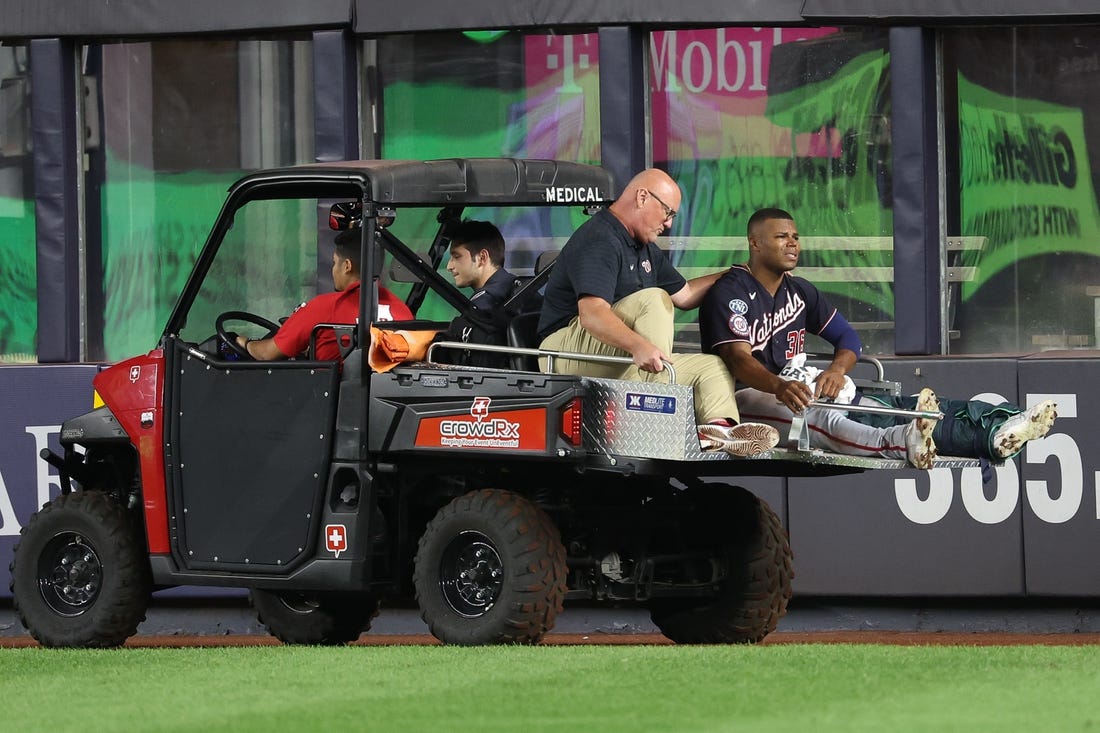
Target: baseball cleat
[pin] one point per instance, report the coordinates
(927, 402)
(711, 437)
(742, 440)
(920, 449)
(1030, 424)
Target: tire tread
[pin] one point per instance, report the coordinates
(536, 593)
(119, 609)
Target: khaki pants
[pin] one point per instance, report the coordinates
(649, 313)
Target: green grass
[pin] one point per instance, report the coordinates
(788, 688)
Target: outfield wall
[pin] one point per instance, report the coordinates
(36, 400)
(945, 533)
(878, 534)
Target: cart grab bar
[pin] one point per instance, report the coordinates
(550, 355)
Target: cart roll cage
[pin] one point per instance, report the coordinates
(381, 185)
(458, 182)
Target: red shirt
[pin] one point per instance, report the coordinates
(392, 308)
(340, 307)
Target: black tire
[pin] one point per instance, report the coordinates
(490, 569)
(749, 540)
(328, 619)
(80, 574)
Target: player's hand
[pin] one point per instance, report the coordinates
(795, 395)
(828, 385)
(649, 358)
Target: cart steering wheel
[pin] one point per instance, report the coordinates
(231, 342)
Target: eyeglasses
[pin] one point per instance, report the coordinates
(670, 213)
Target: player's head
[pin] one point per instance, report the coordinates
(773, 242)
(763, 215)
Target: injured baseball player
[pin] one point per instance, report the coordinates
(756, 316)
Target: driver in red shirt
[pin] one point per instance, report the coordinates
(341, 306)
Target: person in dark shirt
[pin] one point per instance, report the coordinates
(477, 261)
(756, 318)
(612, 292)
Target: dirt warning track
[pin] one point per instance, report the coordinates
(896, 638)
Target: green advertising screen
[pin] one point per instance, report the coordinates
(19, 314)
(154, 225)
(1023, 140)
(1026, 185)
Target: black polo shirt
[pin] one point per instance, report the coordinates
(601, 259)
(495, 290)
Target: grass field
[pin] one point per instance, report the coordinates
(788, 688)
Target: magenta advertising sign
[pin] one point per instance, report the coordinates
(710, 94)
(562, 102)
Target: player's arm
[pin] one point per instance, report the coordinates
(846, 351)
(831, 380)
(598, 319)
(746, 370)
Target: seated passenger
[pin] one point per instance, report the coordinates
(756, 318)
(477, 261)
(612, 291)
(341, 306)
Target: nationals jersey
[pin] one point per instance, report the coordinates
(737, 308)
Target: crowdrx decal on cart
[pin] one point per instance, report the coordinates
(511, 429)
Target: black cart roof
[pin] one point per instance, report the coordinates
(451, 181)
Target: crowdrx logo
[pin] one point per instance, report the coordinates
(480, 408)
(481, 431)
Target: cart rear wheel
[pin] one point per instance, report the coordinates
(490, 569)
(752, 548)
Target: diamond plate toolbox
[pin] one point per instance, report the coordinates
(645, 419)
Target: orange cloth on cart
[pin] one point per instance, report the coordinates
(390, 348)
